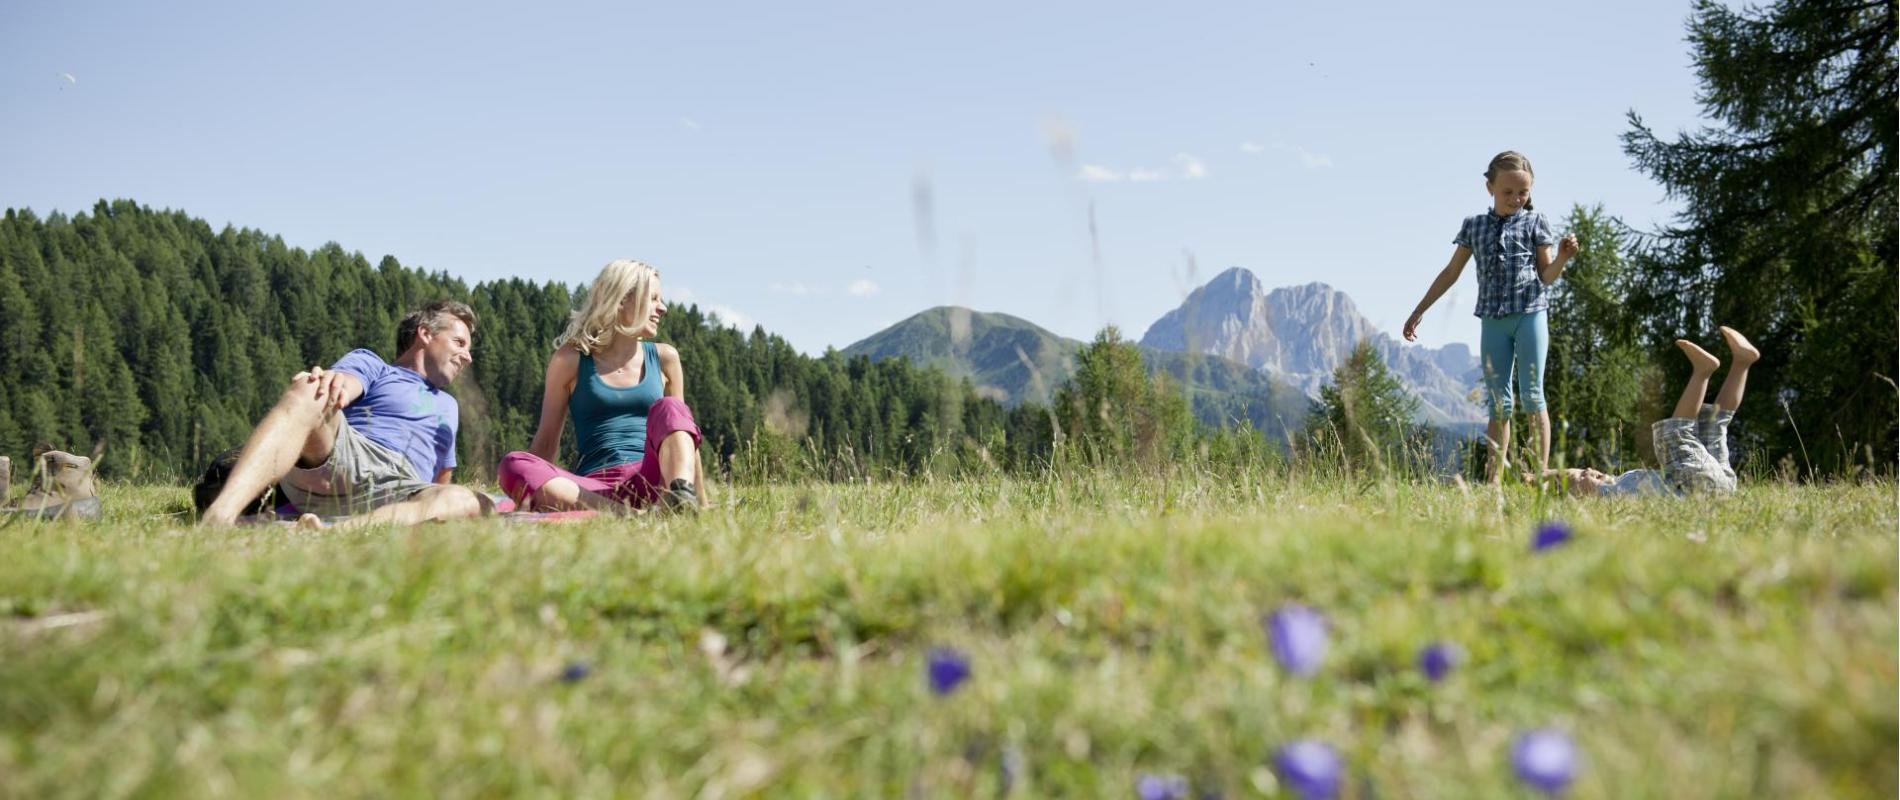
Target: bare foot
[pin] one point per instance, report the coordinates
(309, 522)
(1741, 350)
(1699, 359)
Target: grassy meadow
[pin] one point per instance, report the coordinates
(776, 645)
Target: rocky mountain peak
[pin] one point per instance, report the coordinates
(1236, 281)
(1302, 333)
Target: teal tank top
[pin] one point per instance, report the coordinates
(610, 424)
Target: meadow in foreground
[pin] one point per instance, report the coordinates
(780, 645)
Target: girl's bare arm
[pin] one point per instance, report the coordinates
(1447, 277)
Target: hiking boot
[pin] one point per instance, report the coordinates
(679, 496)
(46, 507)
(65, 490)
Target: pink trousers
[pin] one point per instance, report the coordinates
(637, 484)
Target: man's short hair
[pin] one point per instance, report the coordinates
(436, 315)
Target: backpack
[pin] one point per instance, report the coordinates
(212, 482)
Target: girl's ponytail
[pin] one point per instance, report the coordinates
(1508, 161)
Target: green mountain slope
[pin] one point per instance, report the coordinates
(1010, 359)
(1016, 361)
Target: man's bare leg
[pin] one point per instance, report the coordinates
(433, 503)
(1701, 365)
(1741, 354)
(1498, 435)
(296, 428)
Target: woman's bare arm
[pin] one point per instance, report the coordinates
(563, 367)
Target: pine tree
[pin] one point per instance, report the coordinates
(1598, 370)
(1112, 411)
(1788, 227)
(1365, 416)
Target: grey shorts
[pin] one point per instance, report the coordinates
(1694, 452)
(359, 476)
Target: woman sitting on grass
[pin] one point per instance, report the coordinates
(1693, 444)
(638, 442)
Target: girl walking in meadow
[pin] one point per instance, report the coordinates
(1511, 243)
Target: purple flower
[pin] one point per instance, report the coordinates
(1549, 535)
(1161, 787)
(1311, 769)
(947, 668)
(1546, 759)
(575, 672)
(1438, 658)
(1297, 635)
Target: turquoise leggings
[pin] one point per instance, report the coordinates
(1514, 343)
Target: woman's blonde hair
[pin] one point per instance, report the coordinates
(595, 324)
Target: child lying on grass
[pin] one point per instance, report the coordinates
(1693, 443)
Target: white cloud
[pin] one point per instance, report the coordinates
(1308, 158)
(858, 288)
(729, 317)
(689, 123)
(1313, 160)
(1191, 168)
(1183, 167)
(726, 315)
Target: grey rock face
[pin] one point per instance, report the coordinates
(1300, 334)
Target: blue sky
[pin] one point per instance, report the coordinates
(826, 170)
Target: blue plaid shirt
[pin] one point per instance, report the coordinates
(1505, 249)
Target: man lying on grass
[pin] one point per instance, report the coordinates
(1693, 443)
(395, 432)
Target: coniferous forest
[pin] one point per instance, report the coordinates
(166, 340)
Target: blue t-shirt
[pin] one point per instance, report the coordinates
(403, 412)
(1504, 249)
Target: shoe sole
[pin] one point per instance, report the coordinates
(85, 508)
